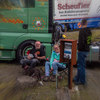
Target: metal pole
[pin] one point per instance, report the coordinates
(56, 79)
(68, 75)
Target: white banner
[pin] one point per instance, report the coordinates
(72, 9)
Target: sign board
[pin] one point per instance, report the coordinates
(73, 9)
(67, 50)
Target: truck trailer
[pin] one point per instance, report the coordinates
(69, 13)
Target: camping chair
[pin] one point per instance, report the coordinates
(62, 72)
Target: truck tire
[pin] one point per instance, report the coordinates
(23, 49)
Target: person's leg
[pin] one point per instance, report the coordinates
(79, 65)
(83, 72)
(34, 62)
(47, 72)
(80, 77)
(47, 68)
(57, 65)
(24, 62)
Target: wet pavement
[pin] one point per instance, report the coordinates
(9, 89)
(90, 91)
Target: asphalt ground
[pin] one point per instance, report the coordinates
(9, 90)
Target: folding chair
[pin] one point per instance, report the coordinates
(62, 71)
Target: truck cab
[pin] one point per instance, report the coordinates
(22, 22)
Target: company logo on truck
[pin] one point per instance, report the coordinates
(73, 6)
(76, 9)
(11, 20)
(38, 23)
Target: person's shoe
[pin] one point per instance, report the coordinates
(46, 79)
(53, 78)
(78, 83)
(75, 79)
(26, 67)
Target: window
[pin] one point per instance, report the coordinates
(31, 3)
(13, 4)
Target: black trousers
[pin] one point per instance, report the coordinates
(31, 62)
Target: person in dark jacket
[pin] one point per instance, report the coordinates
(35, 56)
(84, 42)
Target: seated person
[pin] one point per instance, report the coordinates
(35, 56)
(53, 64)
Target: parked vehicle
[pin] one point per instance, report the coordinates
(22, 22)
(94, 54)
(69, 13)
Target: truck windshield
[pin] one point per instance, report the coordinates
(13, 4)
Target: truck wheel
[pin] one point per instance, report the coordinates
(23, 49)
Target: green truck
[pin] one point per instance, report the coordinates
(22, 22)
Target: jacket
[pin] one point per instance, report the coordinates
(56, 56)
(84, 40)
